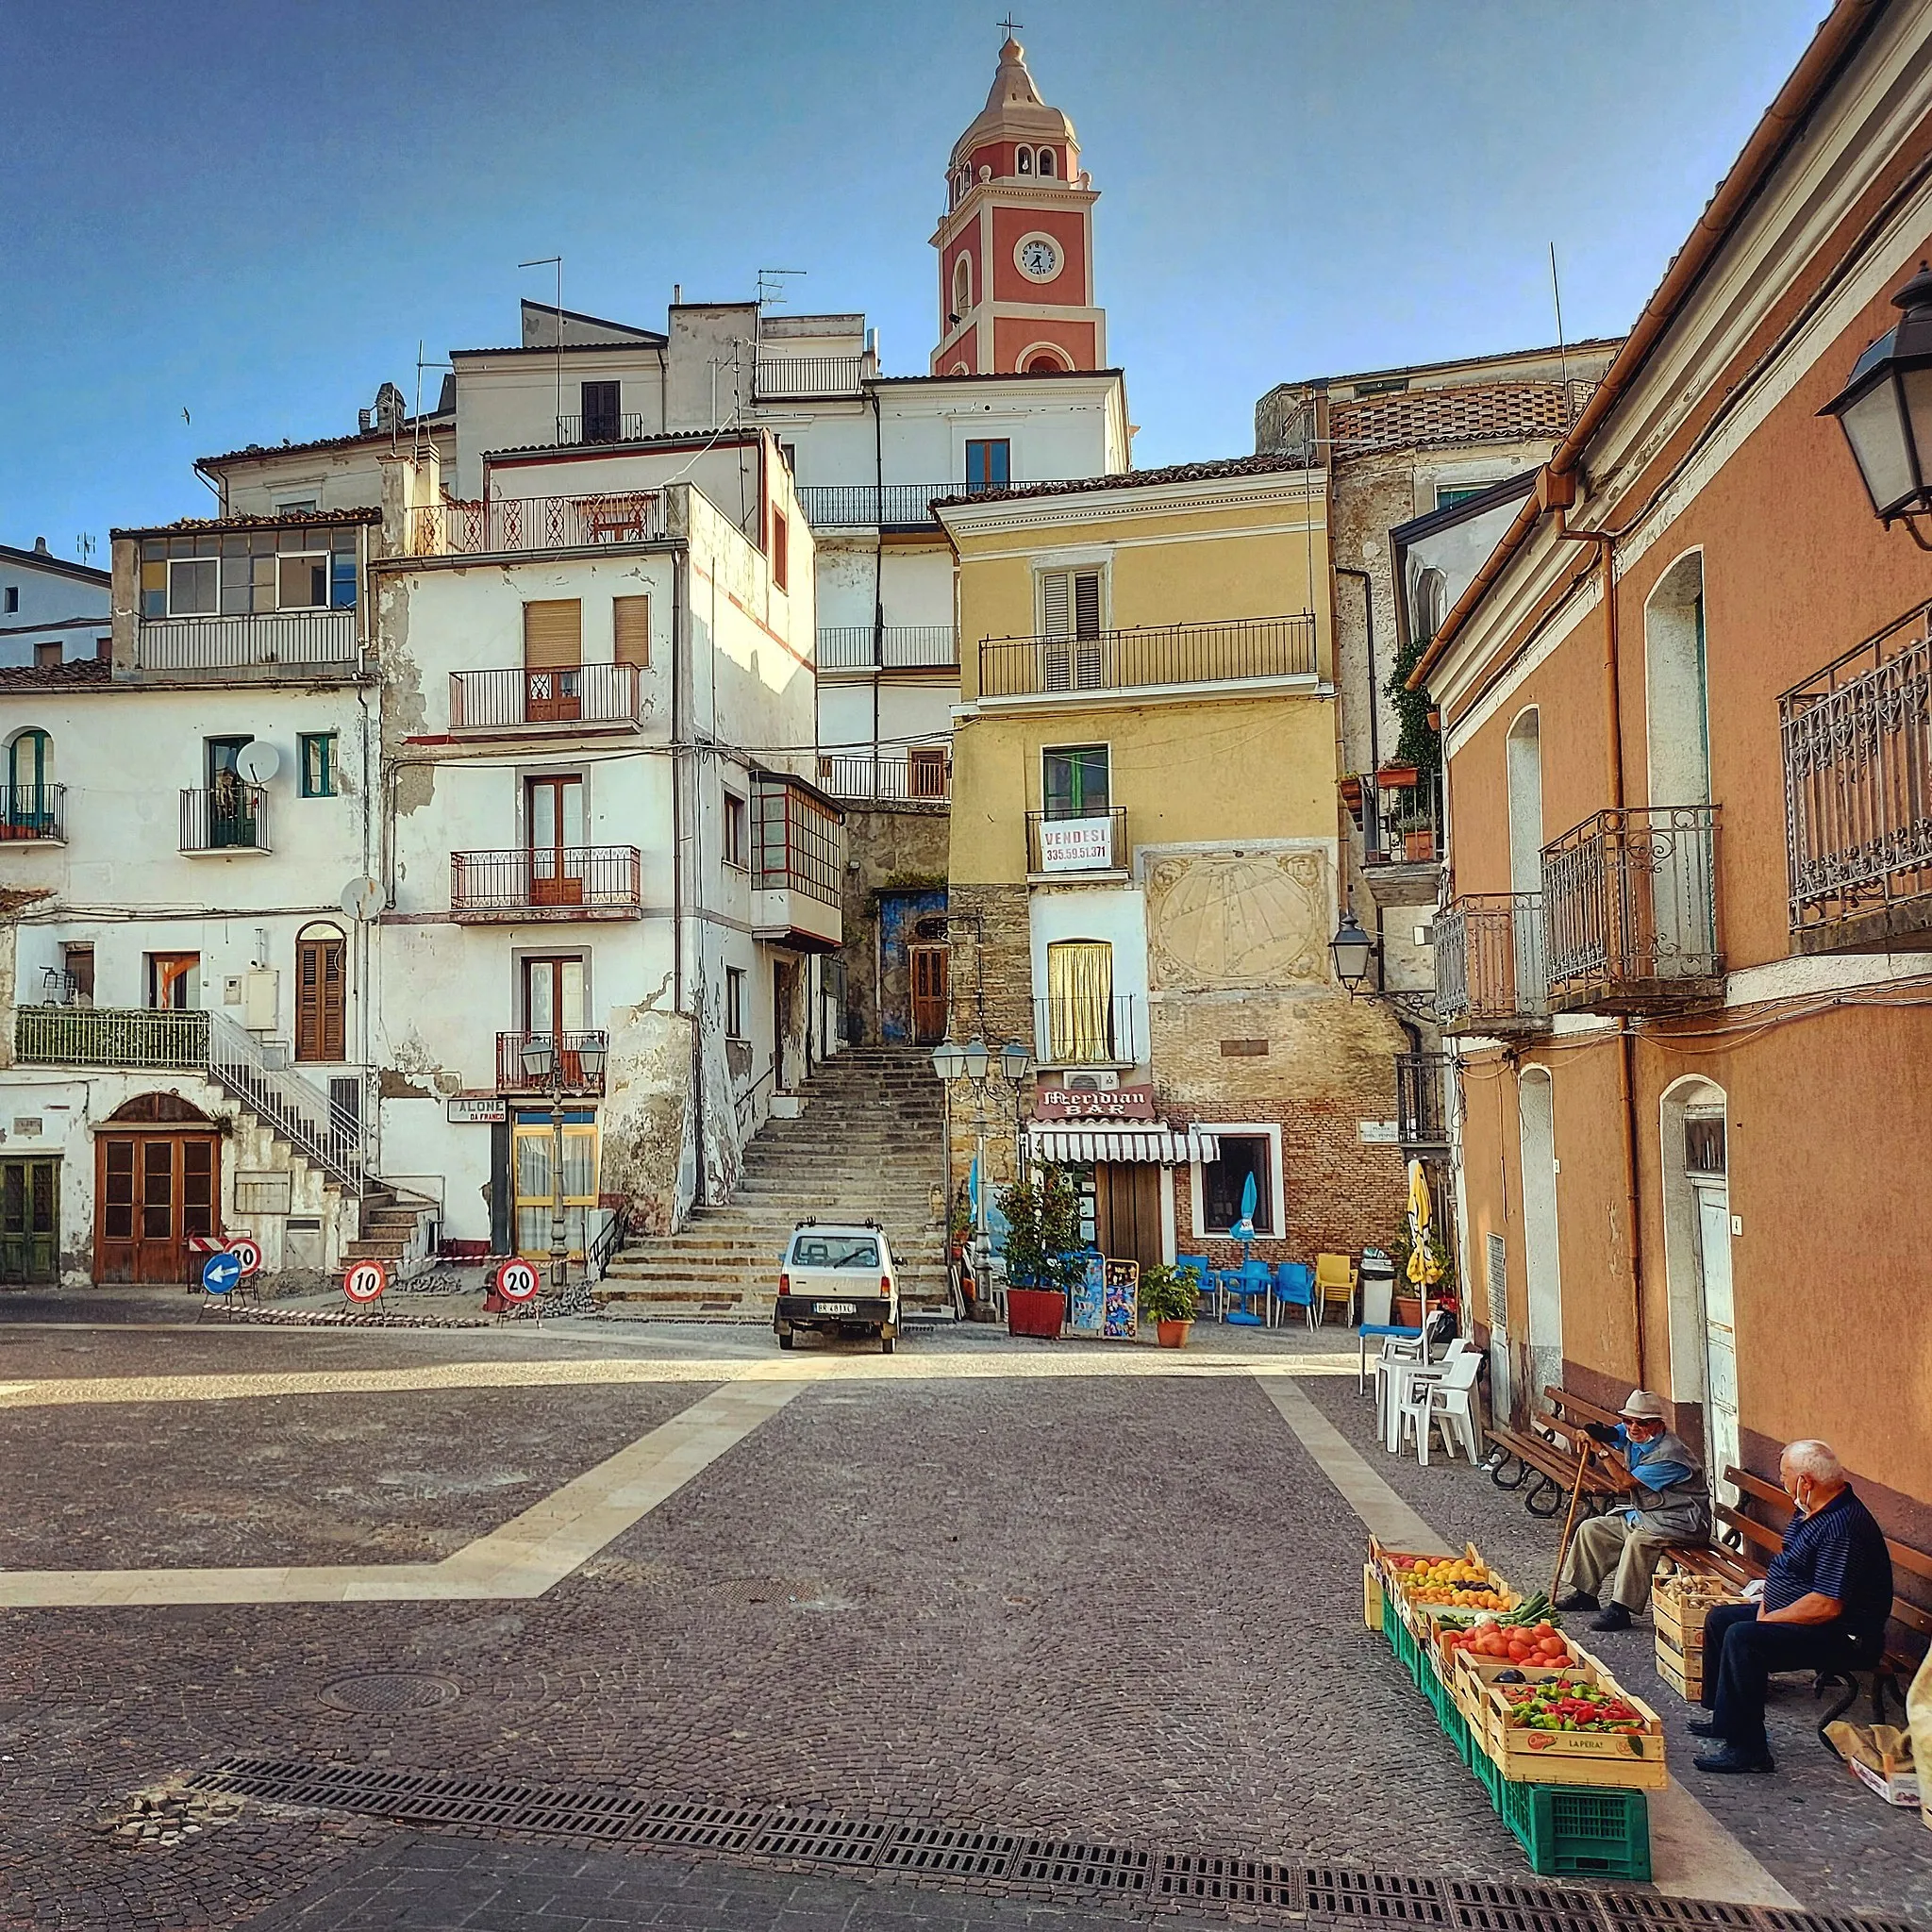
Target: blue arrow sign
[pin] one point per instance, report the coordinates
(220, 1273)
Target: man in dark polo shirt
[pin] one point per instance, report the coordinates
(1827, 1595)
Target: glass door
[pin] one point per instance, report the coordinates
(554, 1004)
(533, 1168)
(230, 803)
(556, 822)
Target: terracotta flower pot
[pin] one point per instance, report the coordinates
(1417, 846)
(1037, 1312)
(1407, 1311)
(1352, 794)
(1172, 1334)
(1397, 777)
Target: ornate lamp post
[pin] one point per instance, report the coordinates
(1886, 412)
(974, 1061)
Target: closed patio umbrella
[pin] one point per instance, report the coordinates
(1424, 1270)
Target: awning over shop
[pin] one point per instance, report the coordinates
(1082, 1147)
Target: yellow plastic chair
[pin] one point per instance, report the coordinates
(1336, 1278)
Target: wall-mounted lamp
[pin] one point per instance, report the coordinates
(1886, 412)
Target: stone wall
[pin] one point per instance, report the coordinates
(894, 848)
(991, 989)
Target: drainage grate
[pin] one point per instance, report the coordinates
(391, 1693)
(1330, 1893)
(1635, 1911)
(1203, 1878)
(824, 1840)
(1479, 1905)
(1780, 1919)
(949, 1851)
(702, 1828)
(1066, 1865)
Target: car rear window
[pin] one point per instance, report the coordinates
(835, 1250)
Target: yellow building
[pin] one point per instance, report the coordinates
(1143, 859)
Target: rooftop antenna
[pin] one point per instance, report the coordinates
(84, 545)
(1556, 293)
(555, 262)
(422, 364)
(771, 291)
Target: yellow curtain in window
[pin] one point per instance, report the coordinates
(1079, 1000)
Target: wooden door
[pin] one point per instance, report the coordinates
(30, 1219)
(1126, 1210)
(152, 1192)
(925, 772)
(320, 1003)
(556, 838)
(928, 995)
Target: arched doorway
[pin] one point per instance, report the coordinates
(1697, 1262)
(1536, 1116)
(156, 1186)
(321, 994)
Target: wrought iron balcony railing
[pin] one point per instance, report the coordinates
(1060, 843)
(1086, 1030)
(1858, 762)
(286, 643)
(576, 694)
(872, 506)
(506, 525)
(1491, 975)
(33, 814)
(551, 879)
(1630, 904)
(572, 430)
(569, 1049)
(225, 818)
(920, 775)
(1422, 1099)
(890, 647)
(167, 1038)
(1152, 654)
(796, 378)
(1399, 825)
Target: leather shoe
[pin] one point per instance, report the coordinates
(1703, 1727)
(1727, 1757)
(1576, 1600)
(1611, 1617)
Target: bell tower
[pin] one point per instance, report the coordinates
(1016, 242)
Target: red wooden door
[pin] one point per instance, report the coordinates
(152, 1193)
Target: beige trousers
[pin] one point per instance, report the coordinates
(1602, 1544)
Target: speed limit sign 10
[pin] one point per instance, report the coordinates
(365, 1281)
(516, 1280)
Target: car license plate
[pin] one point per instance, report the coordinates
(833, 1308)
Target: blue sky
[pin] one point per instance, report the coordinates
(253, 212)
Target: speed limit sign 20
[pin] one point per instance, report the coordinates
(365, 1281)
(516, 1280)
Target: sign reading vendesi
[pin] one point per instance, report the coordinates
(1077, 845)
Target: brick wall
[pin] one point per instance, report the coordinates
(991, 988)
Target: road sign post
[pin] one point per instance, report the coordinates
(364, 1283)
(219, 1276)
(516, 1284)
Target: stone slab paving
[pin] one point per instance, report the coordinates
(1816, 1830)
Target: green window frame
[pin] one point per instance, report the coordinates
(315, 758)
(1073, 780)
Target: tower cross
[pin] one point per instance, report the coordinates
(1012, 25)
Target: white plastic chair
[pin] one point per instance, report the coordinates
(1405, 1361)
(1446, 1399)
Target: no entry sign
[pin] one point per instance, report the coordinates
(516, 1280)
(247, 1251)
(364, 1281)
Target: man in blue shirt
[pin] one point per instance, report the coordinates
(1826, 1597)
(1670, 1505)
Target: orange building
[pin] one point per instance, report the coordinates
(1685, 959)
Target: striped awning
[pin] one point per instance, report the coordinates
(1082, 1147)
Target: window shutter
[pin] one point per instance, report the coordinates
(630, 620)
(1052, 604)
(1086, 603)
(554, 635)
(780, 539)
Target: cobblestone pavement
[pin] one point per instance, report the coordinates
(1113, 1605)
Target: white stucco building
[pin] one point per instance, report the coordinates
(52, 611)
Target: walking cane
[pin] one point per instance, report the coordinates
(1587, 1451)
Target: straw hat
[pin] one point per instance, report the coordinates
(1642, 1408)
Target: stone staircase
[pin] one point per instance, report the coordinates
(397, 1228)
(867, 1144)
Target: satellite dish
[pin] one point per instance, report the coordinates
(361, 899)
(257, 763)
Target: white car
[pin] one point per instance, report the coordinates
(838, 1276)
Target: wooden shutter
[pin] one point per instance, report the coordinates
(1054, 595)
(630, 622)
(554, 635)
(780, 541)
(1086, 603)
(319, 1001)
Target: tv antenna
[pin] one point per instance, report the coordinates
(1557, 295)
(84, 545)
(772, 284)
(555, 262)
(422, 364)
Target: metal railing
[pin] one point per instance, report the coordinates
(556, 877)
(1630, 904)
(798, 376)
(578, 694)
(569, 1049)
(163, 1038)
(1083, 1030)
(890, 647)
(1858, 765)
(1401, 824)
(1149, 655)
(302, 1114)
(32, 812)
(510, 523)
(1421, 1098)
(1491, 975)
(872, 506)
(1077, 843)
(225, 818)
(320, 643)
(921, 775)
(572, 430)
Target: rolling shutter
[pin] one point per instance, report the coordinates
(630, 619)
(554, 635)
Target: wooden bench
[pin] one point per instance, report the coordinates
(1553, 1458)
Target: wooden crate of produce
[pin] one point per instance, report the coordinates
(1683, 1674)
(1681, 1602)
(1372, 1597)
(1633, 1759)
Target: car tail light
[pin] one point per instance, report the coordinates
(784, 1284)
(886, 1286)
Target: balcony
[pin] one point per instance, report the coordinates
(570, 1049)
(800, 379)
(1857, 760)
(921, 775)
(507, 526)
(1421, 1101)
(1490, 977)
(574, 431)
(1082, 1030)
(553, 882)
(225, 818)
(166, 1038)
(286, 643)
(1091, 845)
(536, 700)
(1630, 902)
(33, 815)
(799, 863)
(873, 506)
(1151, 658)
(1399, 828)
(890, 647)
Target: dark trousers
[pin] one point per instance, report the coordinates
(1741, 1655)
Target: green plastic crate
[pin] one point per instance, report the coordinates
(1598, 1829)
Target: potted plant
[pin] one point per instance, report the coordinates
(1397, 777)
(1169, 1299)
(1417, 837)
(1409, 1300)
(1351, 796)
(1042, 1232)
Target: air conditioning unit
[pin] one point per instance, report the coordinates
(1101, 1080)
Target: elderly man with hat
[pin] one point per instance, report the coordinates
(1670, 1504)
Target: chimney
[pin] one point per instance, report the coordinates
(677, 293)
(40, 546)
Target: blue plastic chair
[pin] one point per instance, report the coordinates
(1206, 1281)
(1253, 1281)
(1294, 1288)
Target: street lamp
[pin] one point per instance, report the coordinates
(1350, 949)
(949, 1059)
(1886, 411)
(979, 1057)
(545, 1068)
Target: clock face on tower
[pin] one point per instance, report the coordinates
(1038, 258)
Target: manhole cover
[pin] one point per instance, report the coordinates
(774, 1590)
(391, 1693)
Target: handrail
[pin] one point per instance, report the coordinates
(302, 1114)
(1223, 651)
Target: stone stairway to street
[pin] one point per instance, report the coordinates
(867, 1144)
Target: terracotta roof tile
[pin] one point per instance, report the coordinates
(62, 676)
(286, 520)
(1268, 465)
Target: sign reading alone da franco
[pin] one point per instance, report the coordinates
(1077, 845)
